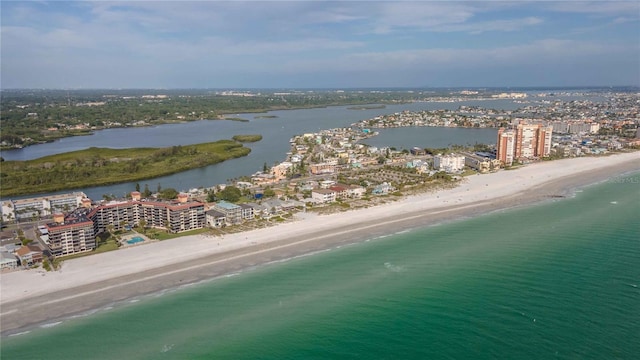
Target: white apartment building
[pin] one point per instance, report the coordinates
(323, 195)
(448, 163)
(527, 140)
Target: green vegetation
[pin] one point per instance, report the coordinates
(230, 194)
(247, 138)
(100, 166)
(163, 235)
(45, 264)
(108, 245)
(168, 194)
(265, 117)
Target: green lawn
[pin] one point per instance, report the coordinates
(163, 235)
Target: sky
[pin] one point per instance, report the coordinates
(318, 44)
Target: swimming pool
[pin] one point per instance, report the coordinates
(135, 240)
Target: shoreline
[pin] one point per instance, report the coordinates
(30, 298)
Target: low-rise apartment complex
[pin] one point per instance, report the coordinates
(76, 232)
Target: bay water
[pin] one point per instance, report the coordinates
(276, 133)
(555, 280)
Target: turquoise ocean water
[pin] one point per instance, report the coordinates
(559, 280)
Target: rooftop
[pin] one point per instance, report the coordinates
(227, 205)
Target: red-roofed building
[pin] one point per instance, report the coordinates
(76, 232)
(342, 191)
(175, 216)
(29, 255)
(71, 234)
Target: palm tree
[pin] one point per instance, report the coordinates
(142, 223)
(110, 229)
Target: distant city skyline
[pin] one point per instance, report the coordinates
(318, 44)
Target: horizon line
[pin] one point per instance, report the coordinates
(332, 88)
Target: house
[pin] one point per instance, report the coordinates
(279, 193)
(8, 237)
(415, 164)
(258, 209)
(323, 195)
(29, 255)
(356, 191)
(342, 191)
(247, 212)
(215, 218)
(8, 261)
(323, 168)
(291, 204)
(9, 241)
(325, 184)
(273, 206)
(262, 179)
(232, 212)
(10, 248)
(383, 189)
(296, 158)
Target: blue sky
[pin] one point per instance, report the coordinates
(318, 44)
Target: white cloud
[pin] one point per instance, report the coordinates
(495, 25)
(542, 53)
(601, 8)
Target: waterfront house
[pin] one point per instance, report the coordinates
(273, 206)
(29, 255)
(215, 218)
(258, 209)
(356, 191)
(323, 196)
(232, 212)
(342, 191)
(290, 204)
(8, 261)
(382, 189)
(247, 212)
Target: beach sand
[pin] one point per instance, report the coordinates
(84, 284)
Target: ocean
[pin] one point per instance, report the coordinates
(555, 280)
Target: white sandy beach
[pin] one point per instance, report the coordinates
(181, 252)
